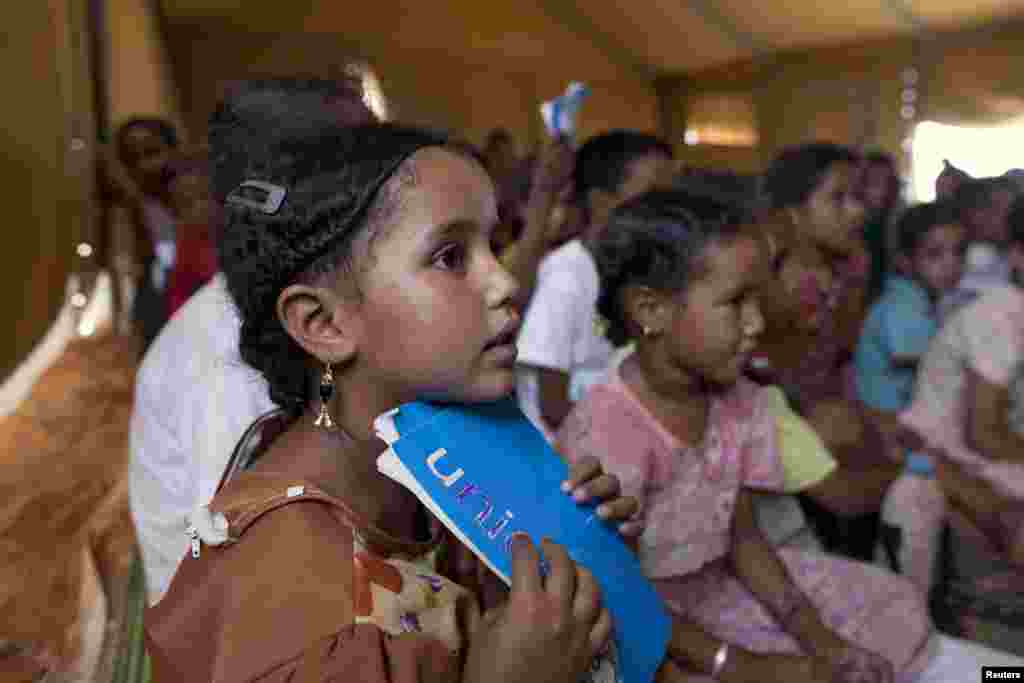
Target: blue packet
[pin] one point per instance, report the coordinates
(486, 473)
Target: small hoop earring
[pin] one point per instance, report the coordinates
(324, 420)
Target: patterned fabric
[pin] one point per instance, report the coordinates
(406, 595)
(988, 337)
(819, 375)
(324, 570)
(688, 497)
(396, 584)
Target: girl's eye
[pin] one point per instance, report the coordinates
(450, 257)
(778, 261)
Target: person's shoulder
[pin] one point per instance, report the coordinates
(750, 398)
(604, 397)
(269, 518)
(564, 273)
(603, 403)
(282, 581)
(876, 314)
(1007, 298)
(994, 306)
(568, 258)
(903, 297)
(205, 327)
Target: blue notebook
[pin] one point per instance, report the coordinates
(486, 473)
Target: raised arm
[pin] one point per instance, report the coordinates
(523, 257)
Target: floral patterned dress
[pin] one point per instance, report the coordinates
(688, 497)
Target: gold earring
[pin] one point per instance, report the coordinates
(324, 420)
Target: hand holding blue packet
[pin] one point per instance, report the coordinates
(487, 473)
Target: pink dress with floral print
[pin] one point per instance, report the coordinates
(688, 498)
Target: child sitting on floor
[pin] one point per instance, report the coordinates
(968, 398)
(896, 334)
(691, 439)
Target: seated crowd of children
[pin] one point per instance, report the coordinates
(714, 358)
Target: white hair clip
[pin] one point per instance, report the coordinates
(273, 196)
(206, 527)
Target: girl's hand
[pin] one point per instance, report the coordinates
(554, 168)
(550, 629)
(588, 482)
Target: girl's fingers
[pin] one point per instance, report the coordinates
(586, 604)
(603, 487)
(560, 581)
(632, 529)
(581, 471)
(601, 632)
(526, 576)
(621, 509)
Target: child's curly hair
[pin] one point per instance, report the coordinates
(656, 240)
(339, 182)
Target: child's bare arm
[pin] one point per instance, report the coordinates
(553, 390)
(524, 256)
(758, 566)
(692, 650)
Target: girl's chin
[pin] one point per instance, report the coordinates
(499, 388)
(494, 386)
(728, 376)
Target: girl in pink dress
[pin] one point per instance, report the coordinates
(691, 440)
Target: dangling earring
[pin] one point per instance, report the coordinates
(324, 420)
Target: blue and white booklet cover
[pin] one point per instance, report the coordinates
(486, 473)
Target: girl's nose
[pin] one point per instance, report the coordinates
(502, 286)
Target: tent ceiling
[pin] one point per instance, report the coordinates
(603, 38)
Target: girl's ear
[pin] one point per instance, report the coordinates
(646, 308)
(320, 321)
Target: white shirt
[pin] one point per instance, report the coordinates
(985, 268)
(558, 331)
(194, 398)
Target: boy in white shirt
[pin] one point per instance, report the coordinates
(561, 352)
(983, 206)
(194, 396)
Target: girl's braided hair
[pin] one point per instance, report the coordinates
(298, 187)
